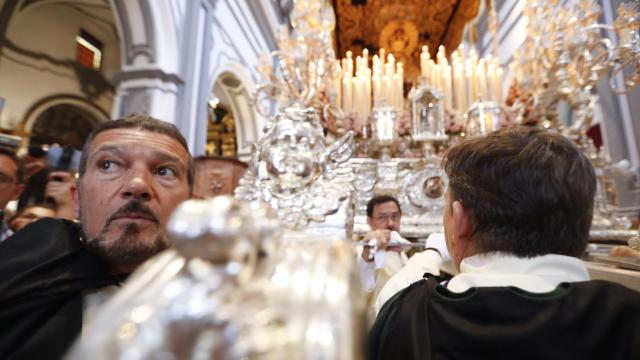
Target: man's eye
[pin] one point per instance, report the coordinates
(165, 171)
(108, 165)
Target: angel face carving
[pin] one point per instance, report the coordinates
(433, 187)
(294, 156)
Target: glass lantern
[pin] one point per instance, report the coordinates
(384, 129)
(483, 118)
(427, 114)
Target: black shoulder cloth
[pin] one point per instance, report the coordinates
(583, 320)
(44, 270)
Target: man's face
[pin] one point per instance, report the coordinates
(9, 187)
(386, 216)
(133, 181)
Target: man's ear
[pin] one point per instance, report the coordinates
(461, 220)
(76, 202)
(369, 221)
(462, 229)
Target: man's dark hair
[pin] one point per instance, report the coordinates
(528, 191)
(376, 200)
(19, 166)
(144, 123)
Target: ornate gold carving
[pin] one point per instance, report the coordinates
(217, 181)
(401, 38)
(221, 133)
(399, 24)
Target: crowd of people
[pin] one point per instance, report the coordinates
(516, 222)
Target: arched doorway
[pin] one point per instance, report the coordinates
(52, 49)
(64, 124)
(231, 105)
(221, 132)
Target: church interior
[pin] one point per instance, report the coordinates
(297, 113)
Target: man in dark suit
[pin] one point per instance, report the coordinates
(517, 217)
(133, 173)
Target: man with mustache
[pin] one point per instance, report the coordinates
(377, 267)
(133, 173)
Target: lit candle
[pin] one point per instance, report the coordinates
(432, 73)
(499, 77)
(388, 80)
(424, 61)
(491, 81)
(399, 79)
(447, 88)
(460, 89)
(441, 55)
(377, 80)
(367, 100)
(346, 95)
(363, 94)
(349, 64)
(337, 86)
(356, 94)
(482, 80)
(461, 52)
(469, 83)
(391, 62)
(437, 78)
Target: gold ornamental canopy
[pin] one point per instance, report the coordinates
(402, 27)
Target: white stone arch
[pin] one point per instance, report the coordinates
(150, 36)
(43, 104)
(233, 85)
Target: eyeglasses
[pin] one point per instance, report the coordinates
(387, 217)
(6, 179)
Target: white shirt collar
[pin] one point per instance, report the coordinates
(538, 274)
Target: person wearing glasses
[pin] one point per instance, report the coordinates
(382, 254)
(11, 185)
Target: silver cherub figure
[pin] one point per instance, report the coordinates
(296, 172)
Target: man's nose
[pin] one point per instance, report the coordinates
(138, 185)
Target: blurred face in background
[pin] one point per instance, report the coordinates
(10, 189)
(29, 215)
(386, 216)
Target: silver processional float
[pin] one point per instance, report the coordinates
(270, 273)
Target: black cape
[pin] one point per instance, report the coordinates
(44, 270)
(584, 320)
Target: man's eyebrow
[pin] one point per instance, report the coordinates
(109, 149)
(164, 157)
(156, 155)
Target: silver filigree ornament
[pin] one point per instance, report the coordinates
(293, 166)
(202, 299)
(296, 172)
(211, 297)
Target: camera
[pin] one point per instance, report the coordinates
(58, 158)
